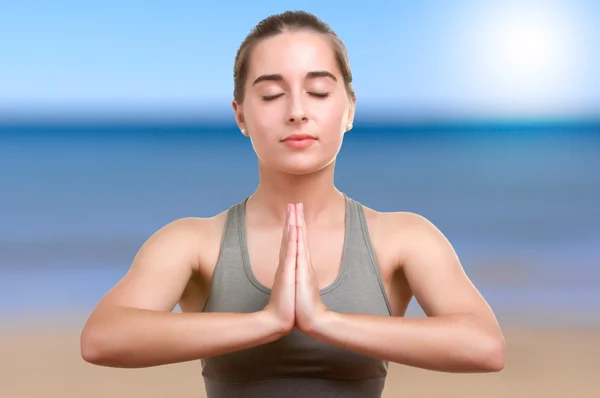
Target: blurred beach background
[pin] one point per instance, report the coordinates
(484, 117)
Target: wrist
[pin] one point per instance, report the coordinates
(274, 325)
(320, 323)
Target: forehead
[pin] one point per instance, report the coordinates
(293, 52)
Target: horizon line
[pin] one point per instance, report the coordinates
(211, 114)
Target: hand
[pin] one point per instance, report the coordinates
(309, 306)
(282, 301)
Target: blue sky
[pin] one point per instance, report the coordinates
(447, 57)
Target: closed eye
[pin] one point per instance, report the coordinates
(271, 97)
(275, 96)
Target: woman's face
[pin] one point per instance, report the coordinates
(295, 90)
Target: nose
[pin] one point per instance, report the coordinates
(297, 111)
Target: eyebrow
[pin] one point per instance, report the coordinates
(310, 75)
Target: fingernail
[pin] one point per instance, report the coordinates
(288, 209)
(290, 229)
(301, 209)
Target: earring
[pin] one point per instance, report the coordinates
(243, 131)
(349, 127)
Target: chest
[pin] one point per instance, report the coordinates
(326, 247)
(325, 244)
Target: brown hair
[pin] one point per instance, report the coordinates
(279, 23)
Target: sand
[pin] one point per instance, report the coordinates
(41, 361)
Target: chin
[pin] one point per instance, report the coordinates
(302, 166)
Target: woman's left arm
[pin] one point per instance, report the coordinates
(460, 332)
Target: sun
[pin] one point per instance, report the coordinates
(522, 46)
(523, 52)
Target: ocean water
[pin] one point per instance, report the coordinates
(519, 202)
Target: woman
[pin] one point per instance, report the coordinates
(298, 290)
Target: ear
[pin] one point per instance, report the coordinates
(351, 113)
(239, 117)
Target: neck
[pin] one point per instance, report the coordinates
(316, 191)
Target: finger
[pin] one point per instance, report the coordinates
(302, 269)
(303, 259)
(285, 226)
(293, 209)
(291, 226)
(292, 246)
(302, 231)
(301, 241)
(300, 214)
(286, 231)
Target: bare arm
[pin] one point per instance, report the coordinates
(133, 325)
(460, 333)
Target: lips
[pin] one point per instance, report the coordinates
(299, 141)
(299, 137)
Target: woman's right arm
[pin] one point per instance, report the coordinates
(133, 326)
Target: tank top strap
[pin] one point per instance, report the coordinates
(231, 230)
(231, 237)
(360, 268)
(230, 287)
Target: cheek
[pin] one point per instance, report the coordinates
(332, 116)
(262, 120)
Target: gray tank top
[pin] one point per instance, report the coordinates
(296, 365)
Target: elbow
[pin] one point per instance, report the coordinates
(492, 355)
(92, 347)
(96, 346)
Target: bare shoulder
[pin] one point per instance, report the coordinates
(173, 261)
(194, 227)
(404, 233)
(200, 236)
(432, 268)
(400, 221)
(205, 236)
(194, 238)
